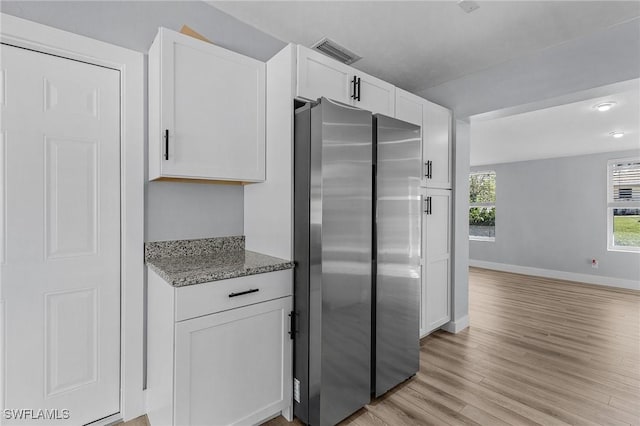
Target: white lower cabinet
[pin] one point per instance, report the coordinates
(230, 365)
(436, 273)
(229, 368)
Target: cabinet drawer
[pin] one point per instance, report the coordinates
(203, 299)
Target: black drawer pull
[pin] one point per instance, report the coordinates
(253, 290)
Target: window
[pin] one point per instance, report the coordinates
(623, 204)
(482, 206)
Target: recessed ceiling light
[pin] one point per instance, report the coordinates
(617, 135)
(604, 106)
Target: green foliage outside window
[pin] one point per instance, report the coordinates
(482, 190)
(482, 216)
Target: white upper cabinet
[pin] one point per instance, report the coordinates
(436, 136)
(374, 95)
(319, 75)
(436, 142)
(206, 111)
(409, 107)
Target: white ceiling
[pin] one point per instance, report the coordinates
(420, 44)
(560, 131)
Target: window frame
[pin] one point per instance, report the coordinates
(483, 205)
(611, 205)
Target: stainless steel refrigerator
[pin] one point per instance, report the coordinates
(397, 251)
(357, 258)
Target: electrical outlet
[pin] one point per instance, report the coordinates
(594, 263)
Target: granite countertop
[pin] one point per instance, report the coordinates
(189, 262)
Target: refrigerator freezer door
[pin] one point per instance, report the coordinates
(332, 248)
(397, 244)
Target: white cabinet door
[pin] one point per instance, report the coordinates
(436, 240)
(233, 367)
(436, 151)
(409, 107)
(319, 75)
(211, 118)
(436, 136)
(375, 95)
(60, 225)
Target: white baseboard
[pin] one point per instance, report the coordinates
(558, 275)
(456, 326)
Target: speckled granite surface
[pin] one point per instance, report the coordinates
(203, 246)
(188, 262)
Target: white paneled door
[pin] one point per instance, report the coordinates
(60, 280)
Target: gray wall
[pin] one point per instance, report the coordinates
(460, 278)
(172, 210)
(551, 214)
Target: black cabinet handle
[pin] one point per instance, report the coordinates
(355, 82)
(354, 92)
(428, 211)
(292, 325)
(429, 169)
(253, 290)
(166, 144)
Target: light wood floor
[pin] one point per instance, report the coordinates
(138, 421)
(538, 351)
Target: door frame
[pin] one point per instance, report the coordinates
(31, 35)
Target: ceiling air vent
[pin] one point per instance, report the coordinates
(335, 51)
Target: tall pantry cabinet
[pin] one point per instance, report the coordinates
(436, 123)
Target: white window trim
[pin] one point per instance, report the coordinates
(27, 34)
(610, 205)
(485, 239)
(472, 205)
